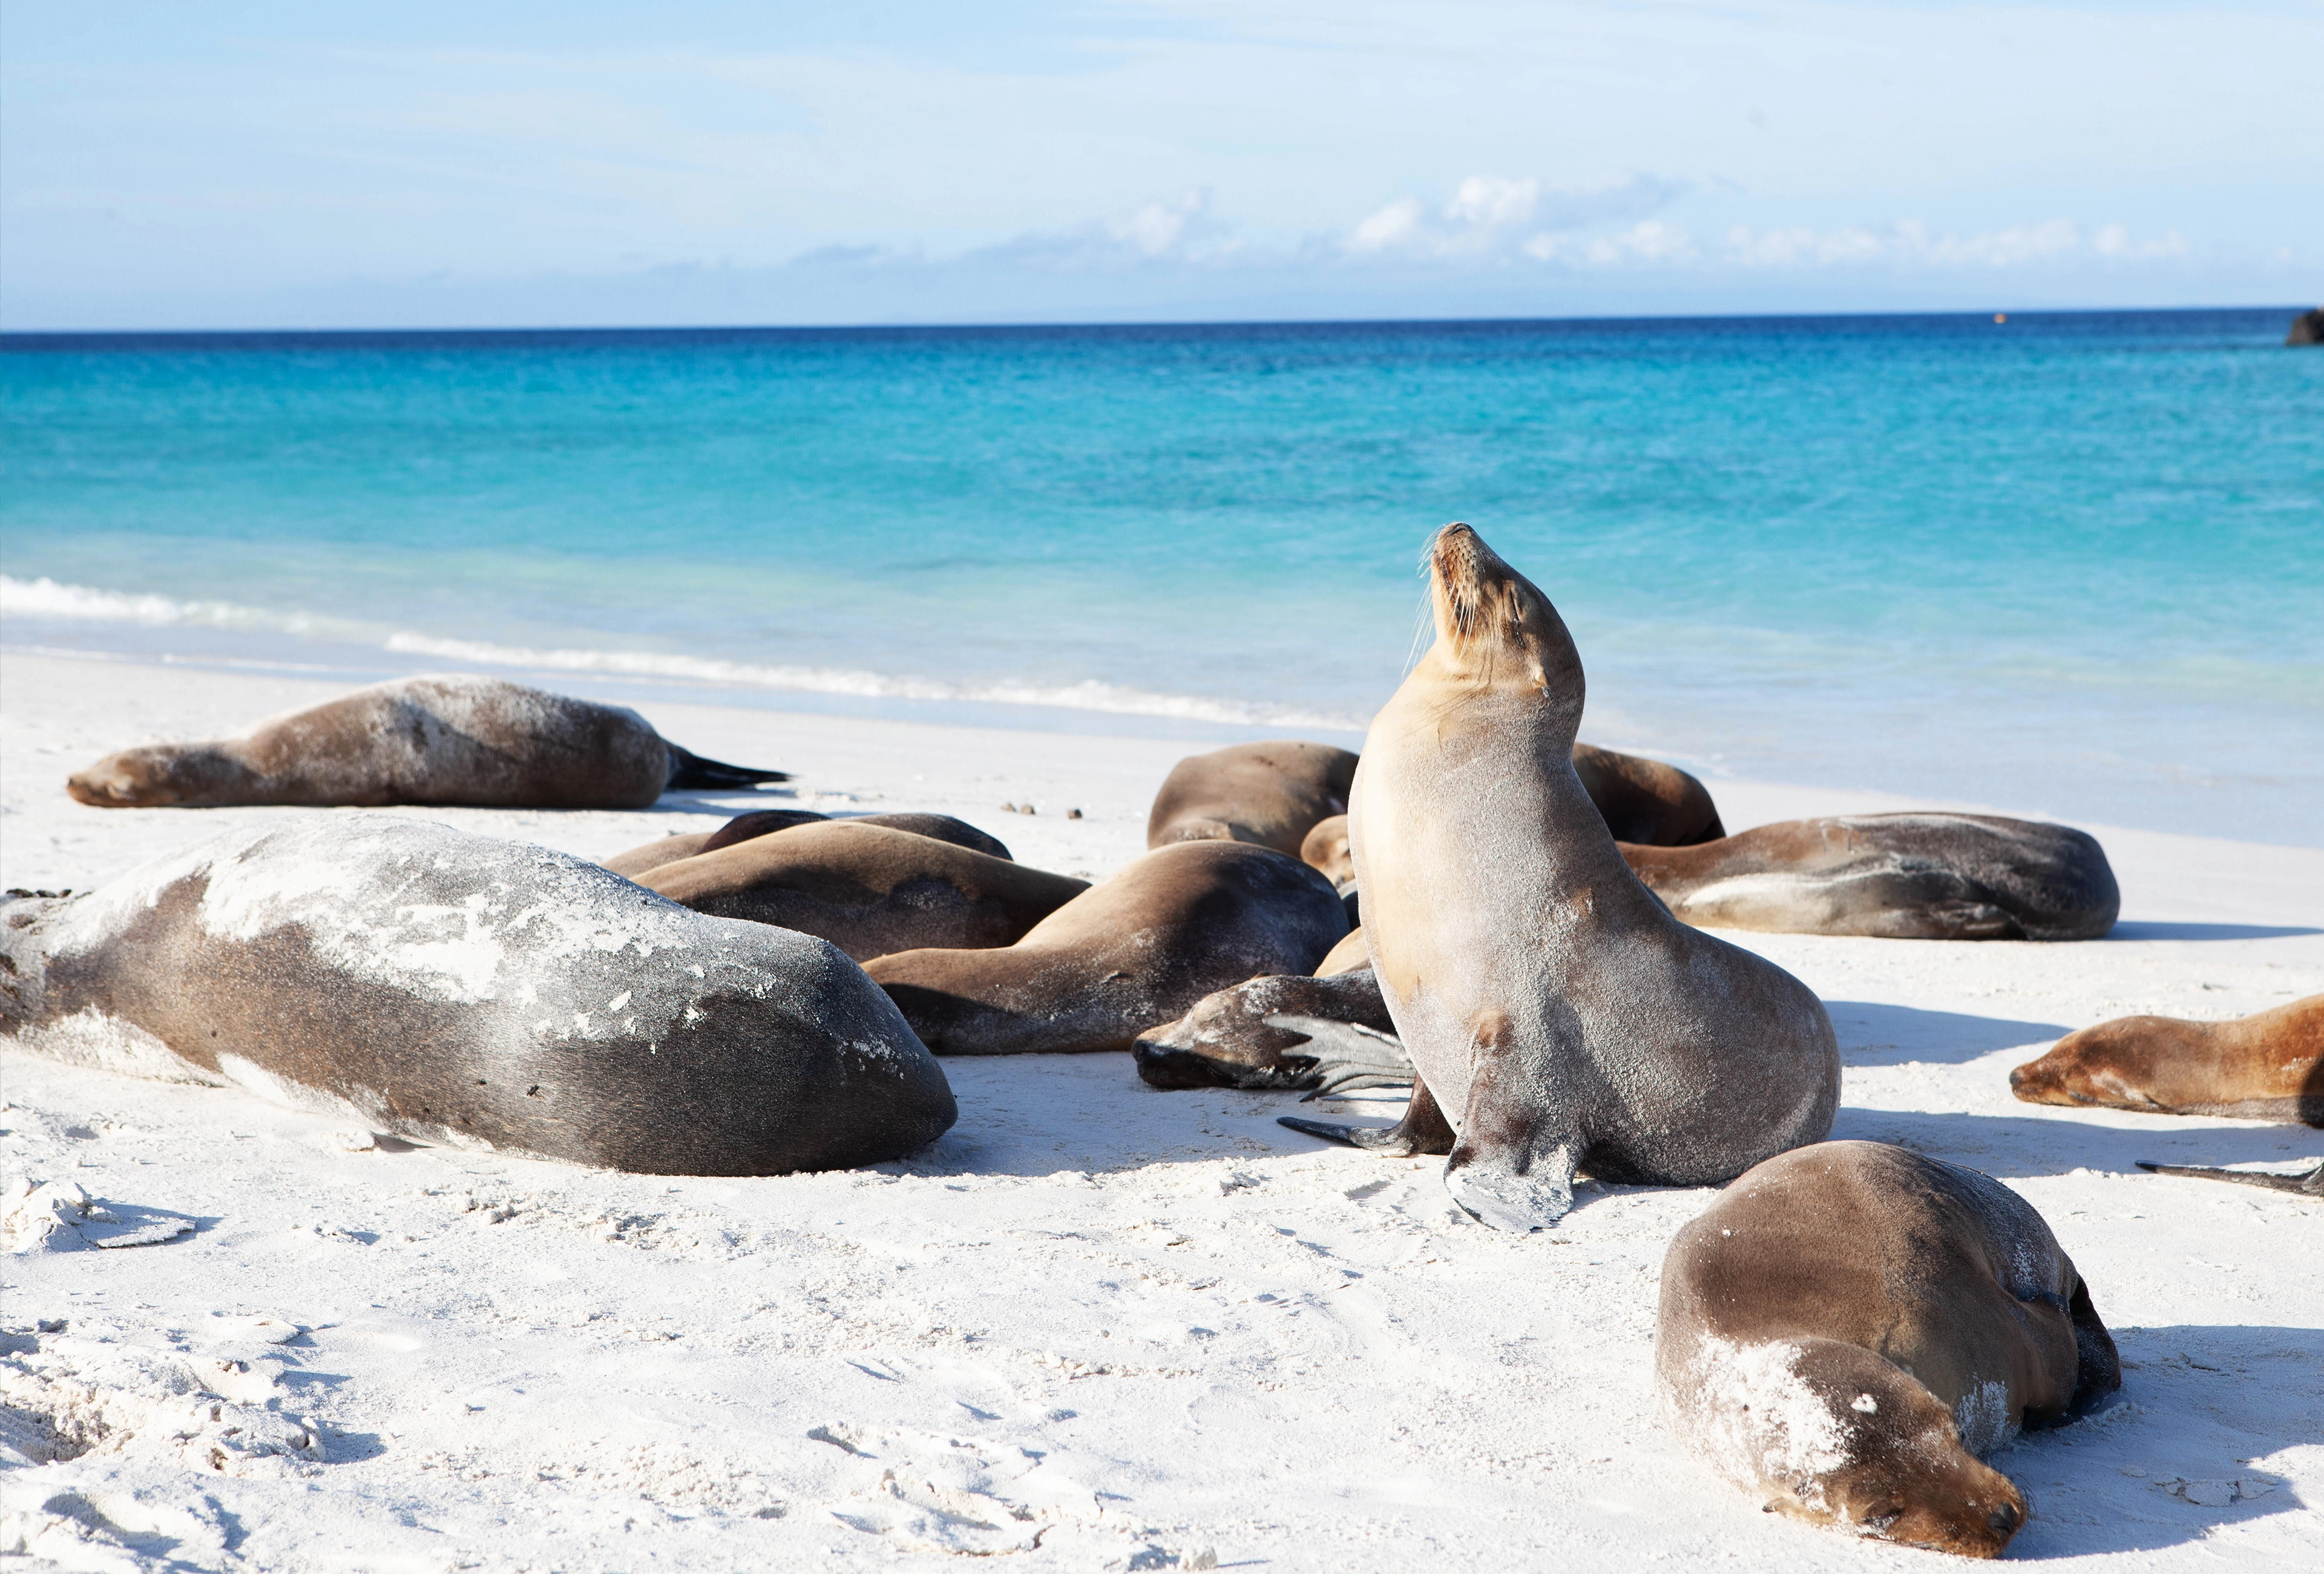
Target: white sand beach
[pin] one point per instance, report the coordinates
(1096, 1325)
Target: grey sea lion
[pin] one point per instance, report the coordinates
(1555, 1012)
(1904, 877)
(761, 822)
(441, 738)
(462, 990)
(868, 889)
(2265, 1066)
(1850, 1326)
(1232, 1039)
(1131, 953)
(1269, 794)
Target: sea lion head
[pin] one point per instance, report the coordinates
(1904, 1474)
(1494, 629)
(155, 777)
(2089, 1067)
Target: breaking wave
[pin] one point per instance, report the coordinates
(45, 598)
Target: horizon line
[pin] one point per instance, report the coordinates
(1997, 314)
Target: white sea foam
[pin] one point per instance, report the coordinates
(45, 598)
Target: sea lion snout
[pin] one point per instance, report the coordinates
(131, 779)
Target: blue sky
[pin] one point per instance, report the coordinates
(229, 165)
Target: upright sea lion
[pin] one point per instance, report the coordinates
(1556, 1014)
(1268, 795)
(458, 989)
(1904, 877)
(444, 738)
(1645, 800)
(1126, 956)
(868, 889)
(761, 822)
(1848, 1327)
(2268, 1067)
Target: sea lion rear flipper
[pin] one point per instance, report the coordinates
(2311, 1184)
(1347, 1054)
(690, 772)
(1423, 1130)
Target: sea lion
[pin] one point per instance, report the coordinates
(457, 988)
(447, 737)
(868, 889)
(1903, 876)
(1268, 795)
(1350, 955)
(1126, 956)
(2268, 1067)
(1231, 1038)
(1645, 801)
(1556, 1014)
(761, 822)
(1848, 1327)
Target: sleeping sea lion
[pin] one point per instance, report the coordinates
(1126, 956)
(1556, 1014)
(448, 738)
(761, 822)
(2268, 1067)
(1645, 800)
(1850, 1325)
(868, 889)
(1904, 876)
(1268, 795)
(462, 990)
(1231, 1038)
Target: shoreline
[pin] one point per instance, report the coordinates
(1135, 1324)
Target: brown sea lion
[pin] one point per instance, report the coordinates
(1269, 794)
(868, 889)
(761, 822)
(463, 989)
(1555, 1012)
(2268, 1067)
(1851, 1325)
(1127, 955)
(1645, 800)
(1903, 876)
(443, 738)
(1232, 1039)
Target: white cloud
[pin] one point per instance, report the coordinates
(1494, 216)
(1909, 242)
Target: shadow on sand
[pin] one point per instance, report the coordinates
(2197, 1401)
(2206, 931)
(2038, 1143)
(1884, 1032)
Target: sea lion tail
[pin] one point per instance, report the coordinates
(2311, 1184)
(690, 772)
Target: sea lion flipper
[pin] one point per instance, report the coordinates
(690, 772)
(1347, 1054)
(1423, 1130)
(2311, 1184)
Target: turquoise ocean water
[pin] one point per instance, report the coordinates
(2068, 563)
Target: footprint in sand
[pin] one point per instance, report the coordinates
(937, 1493)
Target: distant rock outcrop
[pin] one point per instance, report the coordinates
(2307, 328)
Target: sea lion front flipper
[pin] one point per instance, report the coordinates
(1508, 1173)
(2311, 1184)
(1347, 1054)
(1423, 1130)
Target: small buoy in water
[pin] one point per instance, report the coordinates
(2001, 317)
